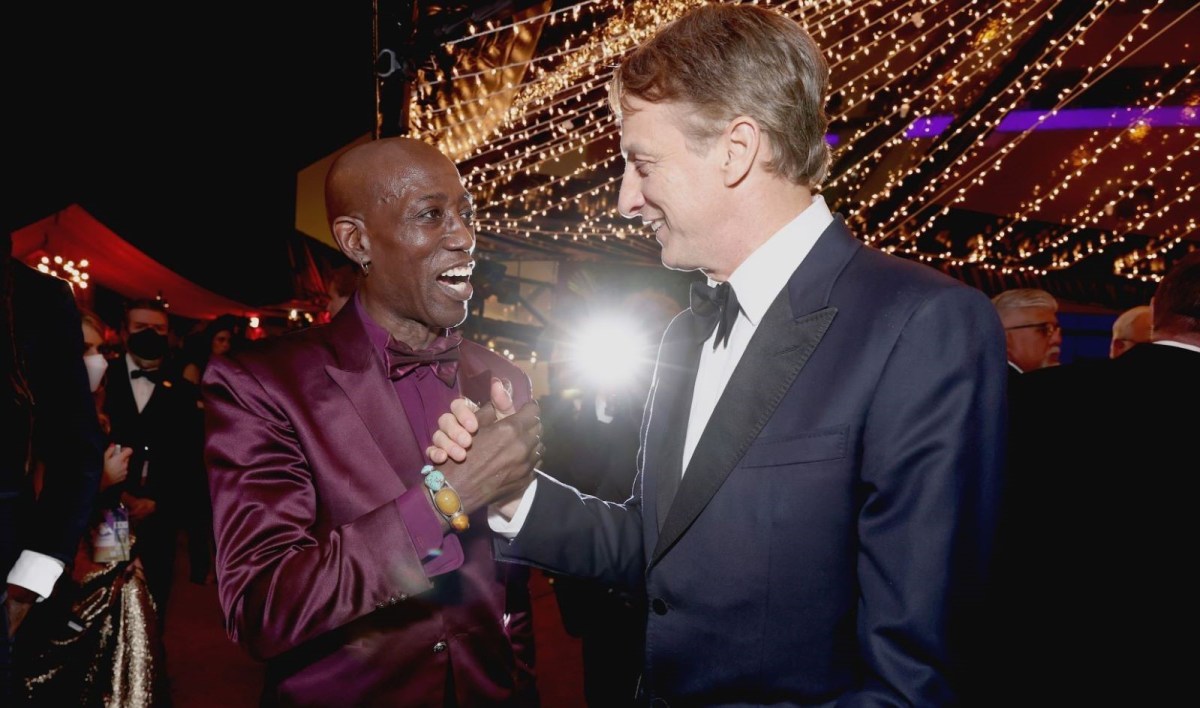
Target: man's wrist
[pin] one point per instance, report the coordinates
(23, 594)
(445, 499)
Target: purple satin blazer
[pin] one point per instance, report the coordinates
(308, 451)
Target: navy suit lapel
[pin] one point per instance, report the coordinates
(780, 347)
(786, 337)
(676, 377)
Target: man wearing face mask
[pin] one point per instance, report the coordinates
(153, 411)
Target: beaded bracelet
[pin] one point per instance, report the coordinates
(445, 499)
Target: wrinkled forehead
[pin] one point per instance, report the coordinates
(422, 180)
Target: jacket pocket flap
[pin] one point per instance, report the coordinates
(814, 446)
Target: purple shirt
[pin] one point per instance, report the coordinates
(424, 398)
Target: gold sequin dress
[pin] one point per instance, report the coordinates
(97, 642)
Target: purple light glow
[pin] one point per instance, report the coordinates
(1070, 119)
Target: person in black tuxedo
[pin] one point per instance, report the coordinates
(50, 420)
(823, 443)
(154, 411)
(1099, 520)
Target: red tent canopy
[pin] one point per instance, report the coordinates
(74, 235)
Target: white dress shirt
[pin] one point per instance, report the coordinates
(757, 281)
(1179, 345)
(143, 387)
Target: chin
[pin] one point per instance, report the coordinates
(452, 319)
(670, 260)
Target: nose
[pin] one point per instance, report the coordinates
(460, 234)
(630, 199)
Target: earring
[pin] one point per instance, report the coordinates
(366, 267)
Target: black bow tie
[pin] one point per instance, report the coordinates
(715, 308)
(153, 374)
(441, 356)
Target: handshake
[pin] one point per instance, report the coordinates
(488, 453)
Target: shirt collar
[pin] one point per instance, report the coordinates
(131, 366)
(758, 280)
(376, 335)
(1181, 345)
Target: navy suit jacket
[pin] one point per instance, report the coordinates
(838, 509)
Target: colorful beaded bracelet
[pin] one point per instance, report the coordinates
(445, 499)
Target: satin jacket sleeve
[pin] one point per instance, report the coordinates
(286, 575)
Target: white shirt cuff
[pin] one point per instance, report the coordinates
(37, 572)
(510, 529)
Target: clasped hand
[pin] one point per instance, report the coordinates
(505, 445)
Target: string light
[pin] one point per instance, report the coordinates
(73, 272)
(536, 141)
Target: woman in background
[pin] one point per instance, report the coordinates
(218, 339)
(102, 645)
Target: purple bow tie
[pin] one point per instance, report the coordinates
(441, 356)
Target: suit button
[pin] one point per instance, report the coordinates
(659, 606)
(439, 647)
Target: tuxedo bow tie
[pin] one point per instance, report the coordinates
(441, 357)
(715, 308)
(154, 375)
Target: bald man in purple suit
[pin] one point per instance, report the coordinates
(335, 565)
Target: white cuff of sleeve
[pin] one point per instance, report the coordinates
(37, 572)
(510, 529)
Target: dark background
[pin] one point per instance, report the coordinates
(181, 126)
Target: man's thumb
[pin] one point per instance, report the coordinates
(502, 398)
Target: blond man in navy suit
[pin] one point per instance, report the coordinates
(822, 445)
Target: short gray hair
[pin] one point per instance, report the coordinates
(1024, 297)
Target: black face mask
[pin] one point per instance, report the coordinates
(148, 344)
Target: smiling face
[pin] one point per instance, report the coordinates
(673, 186)
(411, 220)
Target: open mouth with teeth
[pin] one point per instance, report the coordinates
(457, 281)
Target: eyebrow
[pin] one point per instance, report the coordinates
(443, 197)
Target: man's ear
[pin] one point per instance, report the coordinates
(741, 143)
(352, 239)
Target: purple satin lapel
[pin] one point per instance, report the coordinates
(371, 395)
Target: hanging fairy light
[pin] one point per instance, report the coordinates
(74, 272)
(536, 140)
